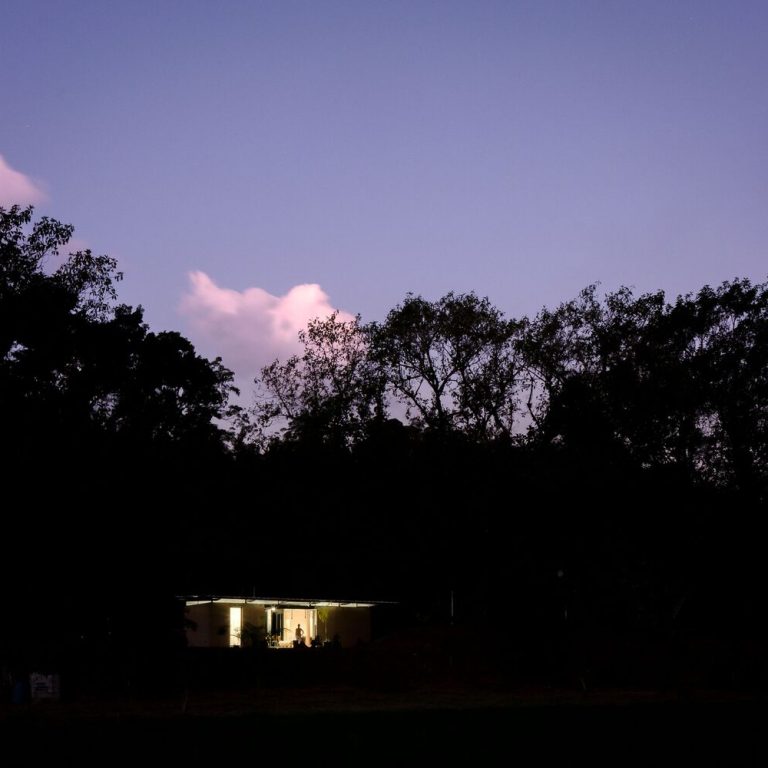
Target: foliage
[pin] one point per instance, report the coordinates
(75, 363)
(331, 393)
(602, 466)
(620, 378)
(680, 384)
(452, 363)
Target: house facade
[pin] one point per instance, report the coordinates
(230, 622)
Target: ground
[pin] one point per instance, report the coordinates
(541, 725)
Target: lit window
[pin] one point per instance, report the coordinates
(235, 626)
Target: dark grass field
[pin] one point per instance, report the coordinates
(342, 727)
(360, 707)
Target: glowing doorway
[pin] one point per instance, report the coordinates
(288, 625)
(235, 627)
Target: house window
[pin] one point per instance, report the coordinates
(277, 624)
(235, 626)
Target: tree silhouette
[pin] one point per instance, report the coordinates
(75, 363)
(110, 432)
(452, 363)
(331, 393)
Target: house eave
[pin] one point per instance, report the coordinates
(278, 602)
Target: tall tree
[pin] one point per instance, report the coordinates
(330, 393)
(75, 365)
(728, 352)
(452, 363)
(680, 384)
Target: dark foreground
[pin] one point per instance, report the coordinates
(346, 726)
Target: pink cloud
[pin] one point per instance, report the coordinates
(250, 328)
(16, 188)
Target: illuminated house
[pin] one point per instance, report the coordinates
(222, 622)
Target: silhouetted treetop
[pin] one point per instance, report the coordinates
(452, 363)
(76, 366)
(619, 377)
(600, 466)
(329, 394)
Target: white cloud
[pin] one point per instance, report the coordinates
(250, 328)
(16, 188)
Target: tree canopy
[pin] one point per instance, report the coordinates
(677, 384)
(77, 365)
(604, 460)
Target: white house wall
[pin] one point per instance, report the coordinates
(211, 623)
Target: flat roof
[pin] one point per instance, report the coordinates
(281, 602)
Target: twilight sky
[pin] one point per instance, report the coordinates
(253, 164)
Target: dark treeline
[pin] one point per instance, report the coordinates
(588, 484)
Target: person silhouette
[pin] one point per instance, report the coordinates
(299, 634)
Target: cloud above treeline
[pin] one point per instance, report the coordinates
(16, 188)
(250, 328)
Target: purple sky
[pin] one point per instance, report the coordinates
(520, 149)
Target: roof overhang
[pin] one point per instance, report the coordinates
(280, 602)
